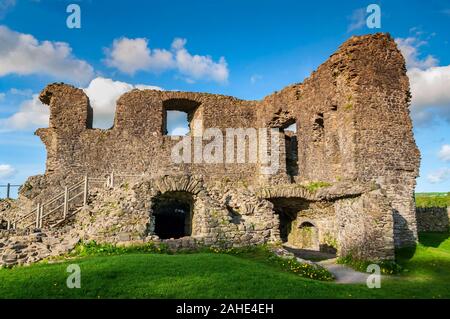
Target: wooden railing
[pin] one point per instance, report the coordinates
(8, 187)
(64, 205)
(55, 209)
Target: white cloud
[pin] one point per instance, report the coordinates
(6, 171)
(444, 153)
(103, 94)
(409, 47)
(24, 55)
(357, 20)
(197, 67)
(430, 83)
(32, 114)
(439, 176)
(177, 123)
(132, 55)
(2, 96)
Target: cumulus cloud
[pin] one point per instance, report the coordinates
(132, 55)
(6, 171)
(444, 153)
(197, 67)
(32, 114)
(23, 54)
(429, 83)
(103, 94)
(439, 176)
(409, 47)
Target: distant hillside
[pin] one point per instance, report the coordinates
(433, 199)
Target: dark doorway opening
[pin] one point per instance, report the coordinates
(291, 149)
(308, 236)
(173, 215)
(286, 220)
(287, 210)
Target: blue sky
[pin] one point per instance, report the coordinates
(247, 49)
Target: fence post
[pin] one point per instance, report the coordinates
(8, 190)
(66, 202)
(86, 189)
(38, 212)
(41, 216)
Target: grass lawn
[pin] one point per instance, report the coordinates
(209, 275)
(432, 199)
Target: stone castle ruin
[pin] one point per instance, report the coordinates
(345, 180)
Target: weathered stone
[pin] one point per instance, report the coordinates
(345, 179)
(433, 219)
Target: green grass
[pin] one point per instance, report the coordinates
(218, 275)
(432, 199)
(314, 186)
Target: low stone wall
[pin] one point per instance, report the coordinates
(433, 219)
(26, 247)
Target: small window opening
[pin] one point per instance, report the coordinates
(318, 128)
(177, 123)
(291, 148)
(179, 115)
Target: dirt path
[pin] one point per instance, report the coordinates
(344, 274)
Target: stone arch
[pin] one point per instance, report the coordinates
(186, 183)
(307, 234)
(173, 200)
(172, 213)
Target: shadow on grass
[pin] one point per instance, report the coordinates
(404, 254)
(433, 239)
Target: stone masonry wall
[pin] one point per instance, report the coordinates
(433, 219)
(353, 126)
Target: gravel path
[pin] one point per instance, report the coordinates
(344, 274)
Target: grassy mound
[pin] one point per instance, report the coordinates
(426, 274)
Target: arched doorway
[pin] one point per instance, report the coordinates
(308, 236)
(172, 212)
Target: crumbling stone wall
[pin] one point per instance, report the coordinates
(353, 129)
(433, 219)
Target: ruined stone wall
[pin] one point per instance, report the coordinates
(365, 227)
(433, 219)
(137, 143)
(352, 123)
(385, 148)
